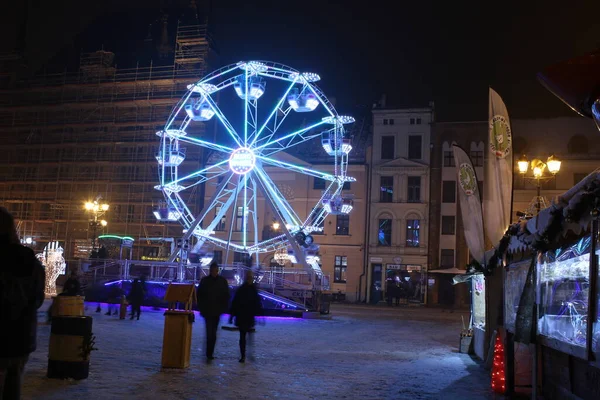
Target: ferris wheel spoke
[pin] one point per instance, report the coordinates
(226, 124)
(303, 170)
(199, 173)
(288, 214)
(204, 143)
(274, 112)
(286, 141)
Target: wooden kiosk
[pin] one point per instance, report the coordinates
(177, 339)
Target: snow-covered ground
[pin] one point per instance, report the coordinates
(361, 353)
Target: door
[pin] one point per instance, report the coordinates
(376, 283)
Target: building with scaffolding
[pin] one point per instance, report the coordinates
(68, 138)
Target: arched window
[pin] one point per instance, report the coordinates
(578, 144)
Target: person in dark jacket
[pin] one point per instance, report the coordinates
(213, 300)
(72, 287)
(136, 297)
(245, 307)
(22, 281)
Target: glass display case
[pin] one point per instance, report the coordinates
(516, 275)
(563, 294)
(478, 298)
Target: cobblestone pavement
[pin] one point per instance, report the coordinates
(361, 353)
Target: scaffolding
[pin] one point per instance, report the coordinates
(69, 137)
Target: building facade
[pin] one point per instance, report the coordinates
(70, 137)
(397, 237)
(569, 139)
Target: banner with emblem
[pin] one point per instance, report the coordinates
(497, 194)
(470, 203)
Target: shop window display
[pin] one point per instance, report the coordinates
(516, 276)
(478, 294)
(563, 279)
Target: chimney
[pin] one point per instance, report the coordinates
(382, 100)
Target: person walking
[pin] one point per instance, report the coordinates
(246, 305)
(136, 297)
(22, 282)
(213, 300)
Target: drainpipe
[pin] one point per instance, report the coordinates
(367, 237)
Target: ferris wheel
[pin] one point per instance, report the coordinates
(261, 109)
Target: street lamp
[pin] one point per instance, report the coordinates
(275, 225)
(538, 176)
(96, 210)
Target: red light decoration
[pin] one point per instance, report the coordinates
(498, 374)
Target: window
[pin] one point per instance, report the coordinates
(412, 232)
(385, 121)
(477, 158)
(412, 121)
(386, 194)
(221, 224)
(239, 219)
(346, 186)
(414, 189)
(391, 121)
(418, 121)
(384, 235)
(414, 147)
(448, 224)
(319, 184)
(218, 256)
(447, 258)
(578, 177)
(448, 191)
(342, 226)
(339, 269)
(448, 159)
(387, 148)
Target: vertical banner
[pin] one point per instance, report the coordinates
(497, 195)
(470, 203)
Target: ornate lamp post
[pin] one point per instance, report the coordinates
(538, 175)
(97, 211)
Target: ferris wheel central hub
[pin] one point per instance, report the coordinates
(242, 161)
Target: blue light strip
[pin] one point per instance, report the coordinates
(204, 143)
(298, 132)
(246, 108)
(320, 99)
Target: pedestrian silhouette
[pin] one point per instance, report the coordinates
(136, 297)
(22, 282)
(245, 307)
(72, 287)
(213, 300)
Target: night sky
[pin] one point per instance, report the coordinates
(449, 52)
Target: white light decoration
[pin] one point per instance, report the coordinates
(302, 102)
(166, 213)
(281, 256)
(55, 265)
(252, 128)
(242, 161)
(256, 87)
(198, 109)
(206, 259)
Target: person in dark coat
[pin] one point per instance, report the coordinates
(22, 282)
(213, 300)
(246, 305)
(136, 297)
(72, 287)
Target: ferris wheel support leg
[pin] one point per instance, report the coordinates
(199, 218)
(299, 253)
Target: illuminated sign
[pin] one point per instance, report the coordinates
(242, 161)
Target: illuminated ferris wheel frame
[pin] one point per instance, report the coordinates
(240, 175)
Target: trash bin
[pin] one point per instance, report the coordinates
(177, 339)
(71, 342)
(325, 303)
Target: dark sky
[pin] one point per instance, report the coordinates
(449, 52)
